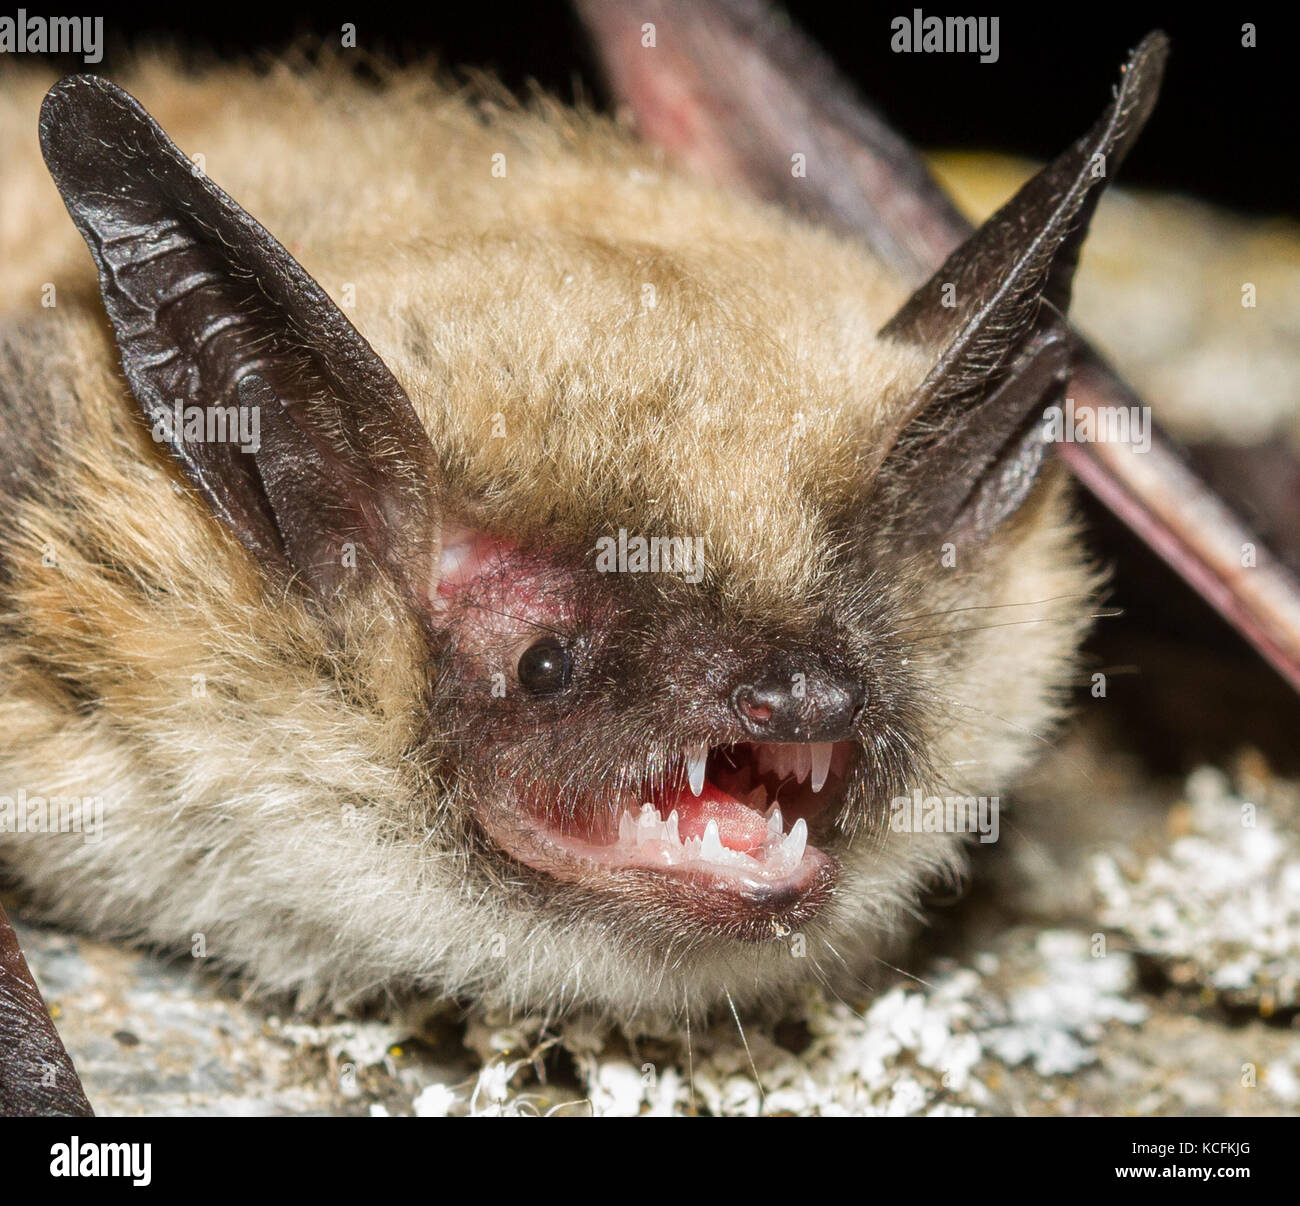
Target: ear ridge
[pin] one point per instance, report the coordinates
(200, 295)
(1026, 253)
(979, 471)
(91, 162)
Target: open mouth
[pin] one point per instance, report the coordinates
(737, 822)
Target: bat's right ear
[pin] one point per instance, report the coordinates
(970, 443)
(291, 427)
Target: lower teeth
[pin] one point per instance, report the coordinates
(647, 832)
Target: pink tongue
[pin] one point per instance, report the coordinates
(739, 826)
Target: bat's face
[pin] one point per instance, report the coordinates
(671, 683)
(653, 734)
(578, 648)
(699, 775)
(678, 763)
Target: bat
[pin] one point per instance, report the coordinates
(516, 571)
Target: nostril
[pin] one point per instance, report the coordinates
(859, 703)
(845, 702)
(752, 704)
(748, 706)
(759, 713)
(799, 710)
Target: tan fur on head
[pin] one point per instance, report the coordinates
(660, 356)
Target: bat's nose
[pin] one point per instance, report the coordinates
(798, 708)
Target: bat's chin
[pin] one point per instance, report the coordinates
(731, 852)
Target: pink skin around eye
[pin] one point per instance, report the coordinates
(467, 557)
(497, 597)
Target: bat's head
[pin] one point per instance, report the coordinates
(585, 664)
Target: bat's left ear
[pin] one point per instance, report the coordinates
(971, 442)
(221, 330)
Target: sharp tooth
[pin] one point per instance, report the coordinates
(793, 847)
(821, 763)
(775, 821)
(711, 844)
(696, 758)
(670, 828)
(627, 828)
(647, 825)
(803, 762)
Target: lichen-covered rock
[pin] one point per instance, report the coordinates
(1218, 906)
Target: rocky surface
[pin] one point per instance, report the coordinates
(1179, 998)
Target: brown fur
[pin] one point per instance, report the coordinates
(281, 813)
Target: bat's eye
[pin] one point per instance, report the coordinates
(545, 667)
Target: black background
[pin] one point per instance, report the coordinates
(1225, 128)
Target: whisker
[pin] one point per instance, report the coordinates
(1073, 762)
(943, 632)
(928, 615)
(509, 615)
(758, 1084)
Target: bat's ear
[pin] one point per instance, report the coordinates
(971, 442)
(281, 414)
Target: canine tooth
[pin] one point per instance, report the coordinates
(796, 841)
(627, 828)
(821, 763)
(696, 758)
(775, 821)
(670, 828)
(711, 843)
(802, 762)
